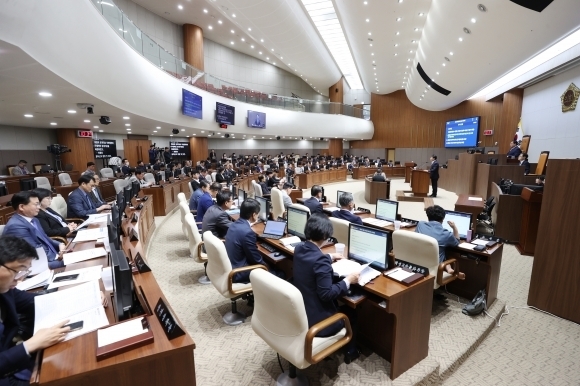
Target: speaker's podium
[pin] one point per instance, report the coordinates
(532, 204)
(419, 187)
(408, 169)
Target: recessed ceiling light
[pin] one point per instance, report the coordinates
(158, 127)
(413, 41)
(249, 29)
(400, 1)
(53, 123)
(364, 2)
(210, 27)
(71, 111)
(370, 34)
(127, 124)
(416, 29)
(180, 6)
(95, 127)
(451, 53)
(155, 131)
(444, 64)
(262, 40)
(396, 54)
(408, 60)
(397, 33)
(232, 31)
(260, 52)
(372, 54)
(28, 115)
(232, 43)
(473, 20)
(100, 131)
(204, 10)
(171, 135)
(396, 45)
(203, 131)
(243, 39)
(460, 39)
(233, 15)
(411, 51)
(398, 19)
(125, 117)
(44, 94)
(252, 46)
(274, 63)
(182, 129)
(367, 20)
(87, 121)
(129, 129)
(281, 57)
(437, 73)
(421, 13)
(219, 21)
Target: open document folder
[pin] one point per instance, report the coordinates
(344, 267)
(82, 302)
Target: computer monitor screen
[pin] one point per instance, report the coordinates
(122, 285)
(275, 227)
(516, 189)
(128, 195)
(368, 245)
(135, 188)
(158, 178)
(263, 208)
(386, 210)
(462, 221)
(297, 222)
(176, 173)
(121, 203)
(113, 234)
(338, 194)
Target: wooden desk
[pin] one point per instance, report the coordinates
(165, 196)
(13, 182)
(395, 171)
(158, 363)
(376, 189)
(488, 174)
(400, 331)
(245, 183)
(420, 182)
(464, 204)
(307, 180)
(361, 172)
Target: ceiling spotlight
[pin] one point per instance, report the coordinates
(272, 49)
(396, 45)
(421, 13)
(155, 131)
(252, 46)
(219, 21)
(249, 29)
(267, 58)
(413, 41)
(416, 29)
(232, 31)
(180, 6)
(95, 127)
(466, 30)
(398, 19)
(28, 115)
(53, 123)
(364, 2)
(460, 39)
(243, 39)
(232, 43)
(397, 33)
(158, 127)
(100, 131)
(400, 1)
(369, 34)
(482, 7)
(210, 27)
(370, 44)
(262, 40)
(127, 124)
(451, 53)
(260, 52)
(129, 129)
(473, 20)
(437, 73)
(233, 15)
(87, 121)
(367, 20)
(44, 94)
(411, 51)
(372, 54)
(204, 10)
(396, 54)
(444, 64)
(71, 111)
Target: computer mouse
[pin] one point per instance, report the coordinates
(277, 253)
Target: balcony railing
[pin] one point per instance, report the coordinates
(186, 73)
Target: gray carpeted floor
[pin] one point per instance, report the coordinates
(523, 351)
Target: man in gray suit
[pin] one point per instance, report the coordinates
(216, 219)
(20, 169)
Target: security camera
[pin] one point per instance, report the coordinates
(104, 119)
(175, 131)
(89, 110)
(88, 106)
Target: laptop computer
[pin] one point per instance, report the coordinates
(274, 230)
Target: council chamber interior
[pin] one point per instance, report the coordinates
(373, 112)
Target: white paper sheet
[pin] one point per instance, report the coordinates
(90, 235)
(377, 222)
(85, 274)
(94, 218)
(399, 274)
(367, 274)
(475, 199)
(330, 208)
(344, 267)
(479, 242)
(120, 331)
(290, 240)
(41, 264)
(36, 281)
(87, 254)
(467, 246)
(107, 277)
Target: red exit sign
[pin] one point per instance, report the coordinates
(488, 132)
(84, 134)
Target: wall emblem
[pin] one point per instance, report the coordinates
(570, 98)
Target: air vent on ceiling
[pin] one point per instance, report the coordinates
(466, 30)
(446, 58)
(482, 7)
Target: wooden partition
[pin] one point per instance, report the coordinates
(81, 149)
(506, 215)
(488, 174)
(375, 190)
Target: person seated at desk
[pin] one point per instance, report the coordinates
(540, 181)
(313, 203)
(219, 177)
(262, 182)
(378, 162)
(24, 225)
(434, 228)
(96, 194)
(286, 189)
(390, 163)
(346, 202)
(194, 180)
(514, 151)
(140, 175)
(157, 165)
(20, 169)
(523, 158)
(241, 242)
(80, 204)
(194, 199)
(140, 166)
(216, 220)
(379, 176)
(125, 169)
(273, 179)
(90, 169)
(51, 222)
(18, 346)
(206, 200)
(314, 278)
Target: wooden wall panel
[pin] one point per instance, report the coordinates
(510, 116)
(193, 45)
(199, 150)
(81, 149)
(336, 94)
(335, 147)
(400, 124)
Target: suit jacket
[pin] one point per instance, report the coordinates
(265, 188)
(126, 170)
(379, 177)
(50, 225)
(195, 184)
(242, 249)
(97, 197)
(434, 170)
(526, 166)
(348, 216)
(203, 204)
(217, 221)
(313, 276)
(80, 205)
(314, 205)
(16, 171)
(220, 178)
(19, 227)
(18, 309)
(514, 152)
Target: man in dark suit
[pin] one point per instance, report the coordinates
(206, 201)
(523, 158)
(96, 194)
(514, 151)
(346, 202)
(314, 278)
(241, 242)
(80, 204)
(263, 185)
(126, 169)
(313, 203)
(219, 177)
(212, 155)
(216, 220)
(434, 175)
(194, 180)
(25, 226)
(18, 347)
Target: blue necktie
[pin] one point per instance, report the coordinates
(43, 237)
(91, 206)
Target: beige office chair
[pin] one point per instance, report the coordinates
(213, 174)
(37, 167)
(190, 188)
(42, 182)
(277, 203)
(183, 209)
(301, 207)
(64, 179)
(221, 274)
(2, 229)
(181, 197)
(280, 319)
(9, 168)
(59, 205)
(120, 185)
(423, 250)
(340, 229)
(196, 245)
(107, 173)
(257, 189)
(150, 178)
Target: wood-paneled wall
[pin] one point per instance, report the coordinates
(193, 45)
(400, 124)
(335, 147)
(199, 150)
(336, 94)
(81, 149)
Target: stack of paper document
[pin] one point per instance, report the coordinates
(84, 275)
(37, 281)
(399, 274)
(290, 240)
(90, 235)
(87, 254)
(331, 208)
(95, 218)
(376, 222)
(344, 267)
(120, 331)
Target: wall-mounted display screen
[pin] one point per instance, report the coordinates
(225, 114)
(191, 104)
(462, 132)
(180, 150)
(256, 119)
(105, 148)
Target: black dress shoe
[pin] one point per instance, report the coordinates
(351, 356)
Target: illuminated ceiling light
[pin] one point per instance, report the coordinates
(416, 29)
(421, 13)
(53, 123)
(232, 31)
(372, 54)
(127, 124)
(28, 115)
(249, 29)
(203, 131)
(87, 121)
(396, 54)
(204, 10)
(398, 19)
(232, 43)
(267, 58)
(182, 129)
(460, 39)
(44, 94)
(437, 73)
(411, 51)
(260, 52)
(252, 46)
(100, 131)
(371, 44)
(262, 40)
(71, 111)
(396, 45)
(370, 34)
(158, 127)
(365, 3)
(129, 129)
(367, 20)
(243, 39)
(219, 21)
(451, 53)
(155, 131)
(397, 33)
(210, 27)
(324, 17)
(95, 127)
(180, 6)
(126, 118)
(444, 64)
(473, 20)
(413, 41)
(233, 15)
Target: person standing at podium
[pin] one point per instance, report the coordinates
(434, 174)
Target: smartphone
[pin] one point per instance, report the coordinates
(65, 278)
(75, 326)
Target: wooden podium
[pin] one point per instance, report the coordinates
(408, 169)
(532, 204)
(420, 182)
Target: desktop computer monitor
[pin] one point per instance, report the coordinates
(135, 188)
(462, 221)
(338, 194)
(386, 210)
(113, 233)
(122, 285)
(176, 173)
(368, 245)
(128, 194)
(264, 208)
(121, 203)
(297, 222)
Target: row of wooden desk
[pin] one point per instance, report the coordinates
(307, 180)
(363, 171)
(165, 196)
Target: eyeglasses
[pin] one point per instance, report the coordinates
(18, 274)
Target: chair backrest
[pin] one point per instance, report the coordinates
(190, 187)
(9, 168)
(218, 263)
(149, 177)
(181, 197)
(257, 189)
(64, 179)
(2, 229)
(279, 316)
(120, 185)
(418, 249)
(277, 203)
(37, 167)
(340, 230)
(58, 204)
(107, 173)
(542, 161)
(525, 144)
(213, 174)
(42, 182)
(194, 237)
(300, 207)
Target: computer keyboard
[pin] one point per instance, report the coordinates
(268, 247)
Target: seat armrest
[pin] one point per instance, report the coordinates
(60, 238)
(202, 256)
(73, 219)
(238, 270)
(311, 334)
(441, 269)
